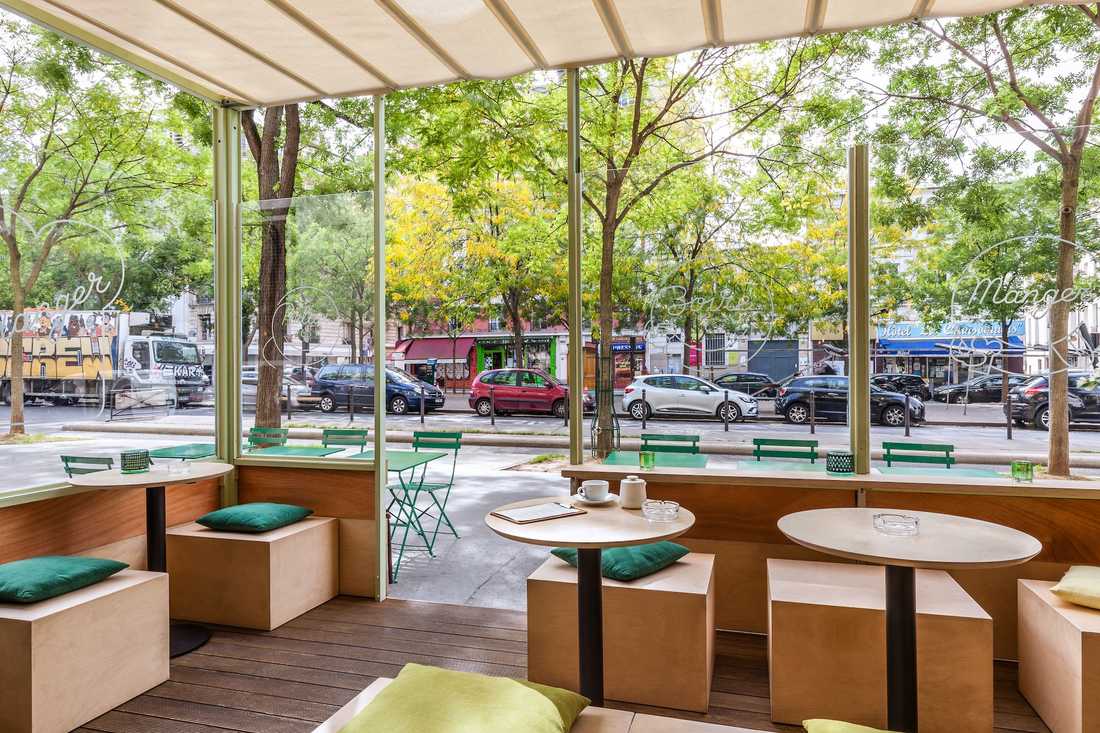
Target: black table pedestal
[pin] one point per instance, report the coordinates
(183, 638)
(590, 623)
(901, 649)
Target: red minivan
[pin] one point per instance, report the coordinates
(520, 390)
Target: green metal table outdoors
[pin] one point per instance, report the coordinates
(402, 506)
(661, 460)
(185, 452)
(295, 450)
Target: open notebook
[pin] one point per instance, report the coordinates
(538, 512)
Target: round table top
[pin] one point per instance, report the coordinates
(158, 475)
(944, 541)
(600, 526)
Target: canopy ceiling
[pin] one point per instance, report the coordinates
(264, 52)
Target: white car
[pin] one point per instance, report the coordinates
(680, 394)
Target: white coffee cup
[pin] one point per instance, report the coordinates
(594, 490)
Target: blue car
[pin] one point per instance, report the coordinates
(339, 385)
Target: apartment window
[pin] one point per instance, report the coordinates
(715, 349)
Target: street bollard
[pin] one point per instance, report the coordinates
(725, 410)
(1008, 416)
(351, 404)
(645, 408)
(492, 406)
(288, 403)
(906, 414)
(813, 413)
(568, 402)
(421, 405)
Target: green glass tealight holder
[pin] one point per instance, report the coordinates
(647, 459)
(134, 461)
(1023, 471)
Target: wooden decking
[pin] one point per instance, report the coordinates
(291, 679)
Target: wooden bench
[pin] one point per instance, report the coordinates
(916, 453)
(827, 647)
(1059, 650)
(784, 448)
(258, 581)
(672, 610)
(671, 443)
(591, 720)
(72, 658)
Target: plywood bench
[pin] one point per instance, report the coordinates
(258, 581)
(1059, 648)
(827, 647)
(652, 625)
(70, 659)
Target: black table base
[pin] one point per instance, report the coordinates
(182, 638)
(901, 649)
(590, 623)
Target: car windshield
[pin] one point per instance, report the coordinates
(176, 352)
(400, 377)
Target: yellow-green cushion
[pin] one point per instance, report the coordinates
(821, 725)
(38, 578)
(258, 516)
(1080, 585)
(432, 700)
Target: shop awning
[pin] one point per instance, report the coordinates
(267, 52)
(958, 347)
(442, 349)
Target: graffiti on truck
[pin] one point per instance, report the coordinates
(62, 344)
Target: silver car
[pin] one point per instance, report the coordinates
(680, 394)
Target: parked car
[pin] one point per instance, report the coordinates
(830, 402)
(1030, 400)
(680, 394)
(521, 390)
(909, 384)
(336, 384)
(751, 383)
(299, 393)
(979, 389)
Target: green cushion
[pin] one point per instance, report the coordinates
(259, 516)
(631, 563)
(432, 700)
(820, 725)
(39, 578)
(1080, 585)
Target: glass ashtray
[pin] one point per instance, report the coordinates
(656, 510)
(898, 525)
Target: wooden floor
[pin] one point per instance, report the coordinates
(291, 679)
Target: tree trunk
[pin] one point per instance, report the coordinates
(511, 304)
(272, 320)
(605, 394)
(1004, 363)
(15, 360)
(1058, 457)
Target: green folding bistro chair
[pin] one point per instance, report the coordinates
(352, 437)
(405, 495)
(265, 438)
(75, 465)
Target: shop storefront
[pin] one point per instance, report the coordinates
(540, 352)
(951, 353)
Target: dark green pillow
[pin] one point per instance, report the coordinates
(38, 578)
(631, 563)
(259, 516)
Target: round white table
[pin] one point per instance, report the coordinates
(944, 542)
(589, 533)
(184, 638)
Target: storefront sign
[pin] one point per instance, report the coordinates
(950, 330)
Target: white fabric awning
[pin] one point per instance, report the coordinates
(264, 52)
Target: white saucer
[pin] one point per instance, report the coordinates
(611, 498)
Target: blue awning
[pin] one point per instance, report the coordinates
(949, 346)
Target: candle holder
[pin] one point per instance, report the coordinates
(1023, 471)
(840, 461)
(134, 461)
(647, 459)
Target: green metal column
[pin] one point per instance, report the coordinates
(380, 343)
(227, 291)
(859, 307)
(576, 326)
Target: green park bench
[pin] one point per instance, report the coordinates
(784, 448)
(265, 437)
(918, 453)
(672, 443)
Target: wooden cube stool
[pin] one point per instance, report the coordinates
(658, 633)
(1059, 649)
(258, 581)
(827, 647)
(70, 659)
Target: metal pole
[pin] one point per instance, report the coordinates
(859, 307)
(813, 412)
(724, 410)
(421, 405)
(1008, 416)
(575, 368)
(380, 469)
(590, 623)
(288, 403)
(901, 649)
(492, 405)
(645, 408)
(351, 403)
(906, 414)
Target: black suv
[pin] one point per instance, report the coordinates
(751, 383)
(1030, 400)
(830, 402)
(909, 384)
